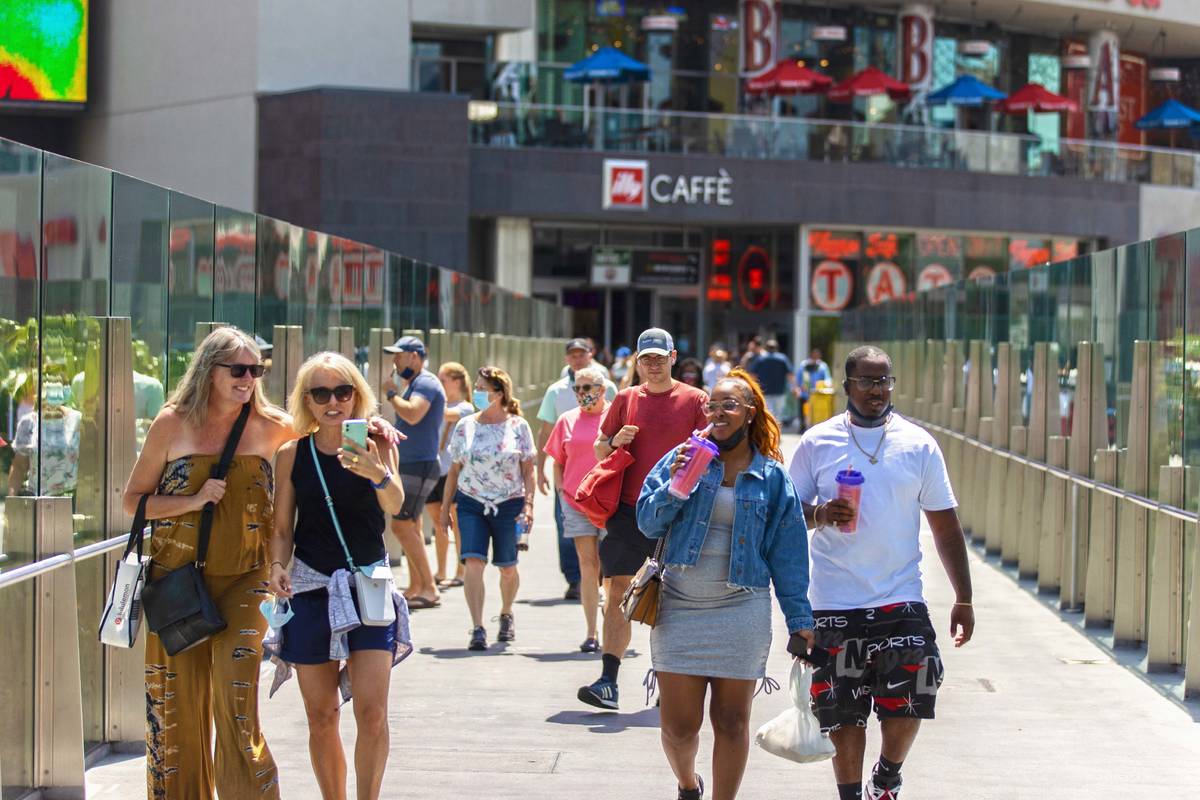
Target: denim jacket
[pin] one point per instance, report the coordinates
(770, 540)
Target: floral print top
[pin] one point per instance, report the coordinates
(54, 451)
(491, 457)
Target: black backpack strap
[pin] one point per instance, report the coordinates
(219, 472)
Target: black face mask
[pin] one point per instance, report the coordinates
(863, 421)
(734, 440)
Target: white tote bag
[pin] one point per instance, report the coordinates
(795, 734)
(122, 614)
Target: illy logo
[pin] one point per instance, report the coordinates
(625, 183)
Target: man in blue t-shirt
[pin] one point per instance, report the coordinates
(419, 401)
(774, 373)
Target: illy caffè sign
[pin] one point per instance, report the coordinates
(629, 185)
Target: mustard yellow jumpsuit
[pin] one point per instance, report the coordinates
(217, 681)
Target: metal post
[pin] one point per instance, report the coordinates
(340, 339)
(1099, 567)
(1164, 625)
(1129, 618)
(1011, 535)
(58, 693)
(1055, 519)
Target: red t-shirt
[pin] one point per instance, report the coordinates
(664, 421)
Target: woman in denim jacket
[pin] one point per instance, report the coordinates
(741, 530)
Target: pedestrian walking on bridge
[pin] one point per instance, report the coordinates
(332, 502)
(875, 644)
(740, 532)
(491, 482)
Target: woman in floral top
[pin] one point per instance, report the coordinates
(491, 481)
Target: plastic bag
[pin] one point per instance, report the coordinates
(795, 734)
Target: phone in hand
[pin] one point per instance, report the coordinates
(356, 431)
(817, 656)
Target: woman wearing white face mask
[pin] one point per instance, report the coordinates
(491, 481)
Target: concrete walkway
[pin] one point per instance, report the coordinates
(1030, 709)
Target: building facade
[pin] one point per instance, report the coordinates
(452, 132)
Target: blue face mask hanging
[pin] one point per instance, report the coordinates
(480, 398)
(277, 612)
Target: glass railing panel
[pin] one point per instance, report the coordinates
(20, 246)
(274, 276)
(235, 275)
(506, 124)
(20, 271)
(72, 439)
(189, 281)
(139, 288)
(1166, 319)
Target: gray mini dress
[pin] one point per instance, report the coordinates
(705, 626)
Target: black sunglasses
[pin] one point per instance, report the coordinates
(580, 388)
(240, 370)
(321, 394)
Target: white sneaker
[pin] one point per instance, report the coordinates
(874, 792)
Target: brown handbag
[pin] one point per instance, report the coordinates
(643, 598)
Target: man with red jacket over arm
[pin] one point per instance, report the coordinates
(647, 420)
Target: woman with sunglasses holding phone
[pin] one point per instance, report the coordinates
(363, 487)
(571, 445)
(491, 482)
(740, 532)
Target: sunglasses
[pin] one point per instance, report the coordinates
(582, 388)
(240, 370)
(321, 394)
(728, 405)
(867, 384)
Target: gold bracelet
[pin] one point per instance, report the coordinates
(968, 605)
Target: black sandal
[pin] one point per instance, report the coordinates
(693, 794)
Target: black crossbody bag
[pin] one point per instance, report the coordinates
(177, 606)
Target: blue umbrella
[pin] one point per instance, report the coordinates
(1171, 114)
(607, 65)
(967, 90)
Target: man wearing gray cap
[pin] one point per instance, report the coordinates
(647, 420)
(419, 401)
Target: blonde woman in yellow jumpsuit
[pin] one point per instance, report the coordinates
(213, 684)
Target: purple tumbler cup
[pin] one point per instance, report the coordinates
(850, 483)
(686, 478)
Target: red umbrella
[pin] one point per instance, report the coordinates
(789, 77)
(868, 82)
(1035, 97)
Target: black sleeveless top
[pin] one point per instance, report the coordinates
(358, 511)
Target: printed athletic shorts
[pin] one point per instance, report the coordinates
(885, 657)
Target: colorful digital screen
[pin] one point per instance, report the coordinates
(43, 51)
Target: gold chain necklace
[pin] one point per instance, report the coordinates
(872, 457)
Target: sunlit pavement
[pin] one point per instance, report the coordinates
(1030, 709)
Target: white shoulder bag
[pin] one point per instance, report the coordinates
(374, 584)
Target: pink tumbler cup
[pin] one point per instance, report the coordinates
(850, 483)
(686, 478)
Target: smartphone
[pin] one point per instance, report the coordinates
(817, 656)
(356, 431)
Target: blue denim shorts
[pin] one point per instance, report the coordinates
(306, 634)
(476, 530)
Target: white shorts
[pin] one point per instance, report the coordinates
(576, 523)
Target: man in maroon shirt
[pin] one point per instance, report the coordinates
(647, 420)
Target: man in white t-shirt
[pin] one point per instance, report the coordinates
(875, 645)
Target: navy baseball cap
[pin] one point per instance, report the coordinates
(655, 341)
(407, 344)
(578, 344)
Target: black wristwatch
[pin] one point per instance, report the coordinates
(390, 394)
(610, 443)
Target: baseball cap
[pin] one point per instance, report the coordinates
(407, 344)
(623, 351)
(655, 341)
(263, 345)
(578, 344)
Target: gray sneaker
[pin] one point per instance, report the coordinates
(508, 630)
(478, 639)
